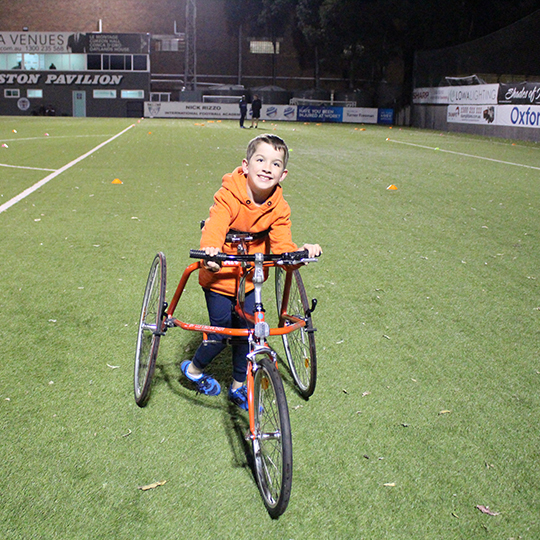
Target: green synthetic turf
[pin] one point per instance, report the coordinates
(427, 403)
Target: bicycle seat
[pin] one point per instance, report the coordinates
(234, 236)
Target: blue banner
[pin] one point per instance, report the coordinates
(307, 113)
(385, 116)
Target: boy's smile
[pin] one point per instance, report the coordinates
(264, 171)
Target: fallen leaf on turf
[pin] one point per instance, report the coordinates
(345, 391)
(486, 510)
(445, 412)
(112, 367)
(390, 484)
(152, 486)
(366, 394)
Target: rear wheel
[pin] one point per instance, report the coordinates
(150, 329)
(272, 442)
(299, 345)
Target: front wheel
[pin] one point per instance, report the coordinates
(299, 346)
(150, 329)
(272, 441)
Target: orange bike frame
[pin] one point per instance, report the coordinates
(258, 345)
(295, 322)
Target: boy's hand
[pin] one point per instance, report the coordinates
(211, 265)
(314, 250)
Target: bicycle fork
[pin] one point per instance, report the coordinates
(253, 366)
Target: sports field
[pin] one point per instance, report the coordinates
(425, 420)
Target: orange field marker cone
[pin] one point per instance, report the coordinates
(391, 187)
(117, 181)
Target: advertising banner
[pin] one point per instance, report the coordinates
(524, 93)
(360, 115)
(69, 42)
(277, 112)
(471, 114)
(527, 116)
(186, 109)
(269, 113)
(385, 116)
(308, 113)
(222, 111)
(431, 96)
(478, 94)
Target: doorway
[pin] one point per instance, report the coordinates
(79, 103)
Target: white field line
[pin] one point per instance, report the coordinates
(22, 167)
(12, 140)
(42, 182)
(467, 155)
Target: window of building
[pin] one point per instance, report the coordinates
(12, 93)
(34, 93)
(118, 62)
(160, 96)
(43, 62)
(132, 94)
(263, 47)
(94, 61)
(104, 94)
(140, 62)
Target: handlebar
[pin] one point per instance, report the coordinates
(293, 257)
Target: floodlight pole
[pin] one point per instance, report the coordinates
(190, 66)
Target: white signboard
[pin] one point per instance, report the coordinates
(431, 96)
(479, 94)
(525, 116)
(360, 115)
(471, 114)
(35, 42)
(518, 116)
(211, 111)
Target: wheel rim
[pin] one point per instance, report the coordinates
(150, 318)
(267, 446)
(298, 345)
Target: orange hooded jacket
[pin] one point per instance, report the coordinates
(232, 209)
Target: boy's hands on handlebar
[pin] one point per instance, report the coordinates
(211, 265)
(314, 250)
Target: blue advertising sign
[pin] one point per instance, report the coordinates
(385, 116)
(307, 113)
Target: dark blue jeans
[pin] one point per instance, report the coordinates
(222, 313)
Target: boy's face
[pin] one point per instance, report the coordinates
(264, 171)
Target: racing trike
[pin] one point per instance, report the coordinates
(269, 424)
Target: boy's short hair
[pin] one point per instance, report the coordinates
(273, 140)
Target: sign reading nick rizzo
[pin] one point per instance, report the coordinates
(524, 93)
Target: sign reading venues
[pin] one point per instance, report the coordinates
(70, 42)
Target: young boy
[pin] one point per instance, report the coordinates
(250, 200)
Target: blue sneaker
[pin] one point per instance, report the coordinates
(239, 396)
(205, 384)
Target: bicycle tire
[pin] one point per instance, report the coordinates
(150, 328)
(299, 345)
(272, 444)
